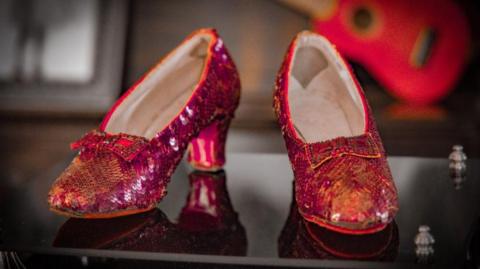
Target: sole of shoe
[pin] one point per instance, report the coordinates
(329, 225)
(102, 215)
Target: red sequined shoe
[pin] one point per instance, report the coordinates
(184, 103)
(342, 178)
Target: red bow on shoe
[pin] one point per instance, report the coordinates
(125, 146)
(362, 146)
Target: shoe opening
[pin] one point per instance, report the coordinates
(324, 101)
(165, 90)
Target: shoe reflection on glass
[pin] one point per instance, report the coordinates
(306, 240)
(207, 224)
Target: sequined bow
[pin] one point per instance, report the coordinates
(125, 146)
(362, 146)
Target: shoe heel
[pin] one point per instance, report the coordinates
(207, 151)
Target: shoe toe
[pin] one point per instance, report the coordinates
(359, 206)
(359, 196)
(91, 186)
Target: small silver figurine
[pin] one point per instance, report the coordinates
(424, 244)
(458, 166)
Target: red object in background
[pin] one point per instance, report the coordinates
(415, 48)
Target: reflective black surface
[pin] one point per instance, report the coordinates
(245, 216)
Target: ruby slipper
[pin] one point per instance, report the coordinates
(184, 103)
(342, 179)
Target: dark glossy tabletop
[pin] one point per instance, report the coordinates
(247, 211)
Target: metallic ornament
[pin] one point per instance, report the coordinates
(458, 166)
(424, 244)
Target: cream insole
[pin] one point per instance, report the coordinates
(323, 109)
(186, 80)
(161, 96)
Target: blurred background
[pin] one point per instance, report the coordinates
(64, 62)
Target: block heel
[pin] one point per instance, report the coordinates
(206, 152)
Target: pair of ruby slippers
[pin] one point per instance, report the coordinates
(186, 103)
